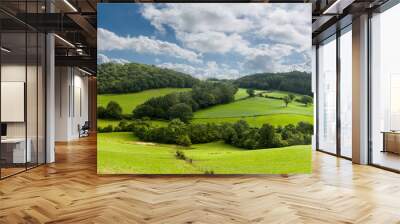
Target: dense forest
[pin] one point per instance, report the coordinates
(296, 82)
(238, 134)
(182, 105)
(135, 77)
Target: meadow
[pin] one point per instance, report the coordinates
(128, 101)
(252, 107)
(256, 110)
(123, 153)
(259, 120)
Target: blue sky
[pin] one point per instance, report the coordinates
(207, 40)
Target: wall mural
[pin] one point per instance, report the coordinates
(204, 88)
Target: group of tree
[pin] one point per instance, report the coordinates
(135, 77)
(241, 135)
(238, 134)
(112, 111)
(288, 99)
(251, 92)
(182, 105)
(296, 82)
(178, 132)
(306, 100)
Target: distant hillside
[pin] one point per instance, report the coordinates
(135, 77)
(297, 82)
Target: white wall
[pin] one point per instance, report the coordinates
(33, 126)
(62, 82)
(12, 73)
(71, 102)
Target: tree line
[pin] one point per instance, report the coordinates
(135, 77)
(238, 134)
(305, 99)
(182, 105)
(296, 82)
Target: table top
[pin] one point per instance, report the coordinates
(391, 132)
(13, 140)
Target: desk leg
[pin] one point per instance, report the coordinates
(384, 142)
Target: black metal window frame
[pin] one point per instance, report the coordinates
(339, 32)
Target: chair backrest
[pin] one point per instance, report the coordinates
(86, 125)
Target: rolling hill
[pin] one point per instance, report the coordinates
(133, 84)
(123, 153)
(256, 111)
(135, 77)
(296, 82)
(129, 101)
(254, 106)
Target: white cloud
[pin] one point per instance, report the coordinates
(197, 18)
(282, 23)
(108, 40)
(101, 58)
(260, 37)
(211, 42)
(265, 63)
(263, 34)
(188, 69)
(210, 69)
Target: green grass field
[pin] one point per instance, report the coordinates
(252, 107)
(128, 101)
(241, 93)
(256, 111)
(122, 153)
(258, 121)
(103, 123)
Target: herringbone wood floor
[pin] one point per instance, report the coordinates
(70, 191)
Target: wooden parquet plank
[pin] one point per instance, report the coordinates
(70, 191)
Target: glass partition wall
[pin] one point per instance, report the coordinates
(345, 91)
(385, 89)
(334, 94)
(22, 107)
(327, 95)
(334, 117)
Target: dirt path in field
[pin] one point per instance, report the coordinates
(143, 143)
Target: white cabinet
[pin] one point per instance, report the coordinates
(19, 155)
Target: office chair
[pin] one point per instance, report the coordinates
(84, 130)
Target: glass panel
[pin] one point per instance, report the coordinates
(13, 86)
(346, 94)
(41, 99)
(327, 96)
(22, 88)
(385, 89)
(31, 98)
(314, 86)
(32, 88)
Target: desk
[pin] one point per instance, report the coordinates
(15, 148)
(391, 141)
